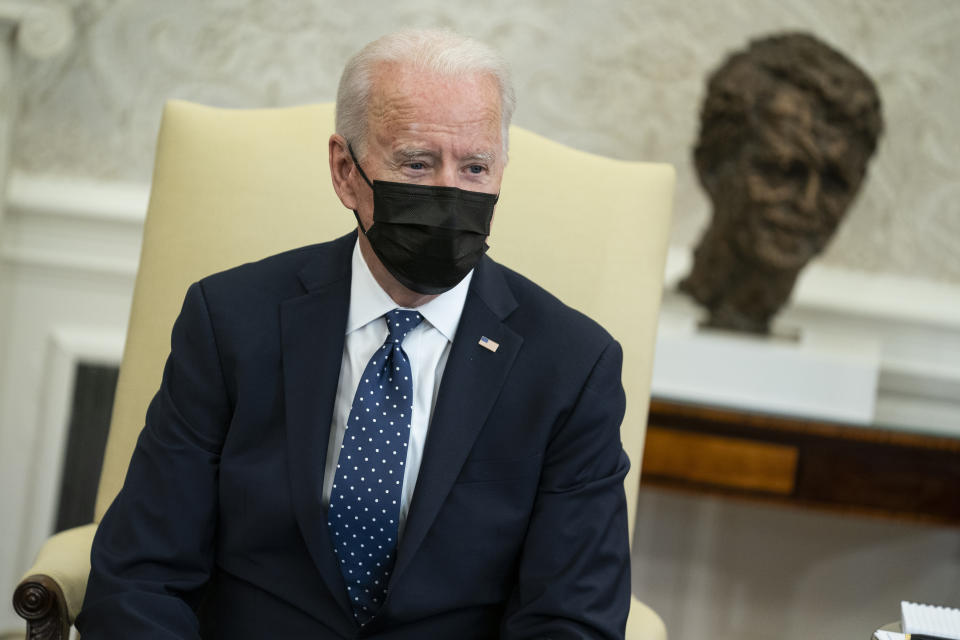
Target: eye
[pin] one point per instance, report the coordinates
(778, 174)
(476, 169)
(833, 180)
(796, 172)
(417, 166)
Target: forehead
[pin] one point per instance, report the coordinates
(409, 106)
(792, 126)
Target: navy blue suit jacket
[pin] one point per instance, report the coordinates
(517, 527)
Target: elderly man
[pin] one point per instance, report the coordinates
(388, 435)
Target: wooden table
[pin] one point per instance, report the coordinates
(802, 462)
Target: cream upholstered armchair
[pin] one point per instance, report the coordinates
(231, 186)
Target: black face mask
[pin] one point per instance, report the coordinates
(428, 238)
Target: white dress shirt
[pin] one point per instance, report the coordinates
(427, 347)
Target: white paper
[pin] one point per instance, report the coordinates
(930, 620)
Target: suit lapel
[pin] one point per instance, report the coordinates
(471, 383)
(312, 328)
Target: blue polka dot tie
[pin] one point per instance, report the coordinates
(365, 499)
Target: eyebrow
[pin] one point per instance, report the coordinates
(414, 153)
(486, 157)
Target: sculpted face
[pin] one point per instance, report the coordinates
(795, 177)
(422, 128)
(787, 129)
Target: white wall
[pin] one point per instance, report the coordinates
(623, 78)
(66, 279)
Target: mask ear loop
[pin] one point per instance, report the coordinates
(365, 179)
(357, 165)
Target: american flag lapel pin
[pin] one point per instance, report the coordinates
(489, 344)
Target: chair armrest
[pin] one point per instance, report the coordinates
(50, 594)
(644, 623)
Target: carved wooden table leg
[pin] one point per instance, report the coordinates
(40, 602)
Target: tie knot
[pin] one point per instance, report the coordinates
(400, 323)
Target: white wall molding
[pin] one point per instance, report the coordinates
(915, 322)
(120, 202)
(57, 261)
(69, 251)
(826, 291)
(837, 291)
(930, 380)
(70, 225)
(44, 28)
(67, 347)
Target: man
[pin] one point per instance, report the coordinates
(787, 129)
(379, 436)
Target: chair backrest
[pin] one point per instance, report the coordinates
(230, 186)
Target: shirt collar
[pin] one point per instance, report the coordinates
(368, 301)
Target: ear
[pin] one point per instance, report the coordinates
(343, 172)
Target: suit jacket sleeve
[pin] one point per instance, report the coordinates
(574, 576)
(153, 551)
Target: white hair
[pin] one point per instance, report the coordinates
(438, 51)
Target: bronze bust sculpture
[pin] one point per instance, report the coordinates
(787, 129)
